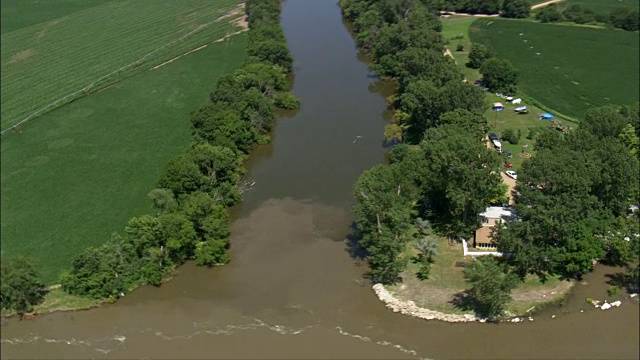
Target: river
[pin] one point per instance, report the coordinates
(292, 289)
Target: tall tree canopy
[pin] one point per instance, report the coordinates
(20, 286)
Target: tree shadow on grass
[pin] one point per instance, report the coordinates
(465, 302)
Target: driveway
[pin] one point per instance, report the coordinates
(511, 183)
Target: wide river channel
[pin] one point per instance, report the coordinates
(292, 289)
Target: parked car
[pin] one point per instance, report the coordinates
(507, 154)
(508, 165)
(512, 174)
(493, 137)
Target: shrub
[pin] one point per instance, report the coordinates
(499, 75)
(286, 100)
(511, 136)
(549, 14)
(460, 47)
(477, 56)
(612, 290)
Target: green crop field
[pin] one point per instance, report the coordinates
(54, 52)
(567, 69)
(600, 5)
(77, 174)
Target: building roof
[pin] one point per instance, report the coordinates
(496, 212)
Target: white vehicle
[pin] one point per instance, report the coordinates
(509, 98)
(516, 101)
(497, 144)
(512, 174)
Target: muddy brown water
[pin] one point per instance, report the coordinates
(292, 289)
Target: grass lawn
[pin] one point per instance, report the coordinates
(77, 174)
(446, 280)
(456, 30)
(567, 69)
(499, 121)
(50, 50)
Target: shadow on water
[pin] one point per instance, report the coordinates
(353, 244)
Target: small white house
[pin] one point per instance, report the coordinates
(491, 217)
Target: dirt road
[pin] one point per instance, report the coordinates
(537, 6)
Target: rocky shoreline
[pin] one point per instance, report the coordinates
(411, 309)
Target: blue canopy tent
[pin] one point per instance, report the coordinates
(497, 106)
(546, 116)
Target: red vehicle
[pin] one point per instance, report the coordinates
(508, 165)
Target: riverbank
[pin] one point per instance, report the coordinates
(442, 295)
(57, 300)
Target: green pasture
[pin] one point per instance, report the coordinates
(599, 5)
(75, 175)
(53, 49)
(566, 69)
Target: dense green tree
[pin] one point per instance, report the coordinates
(163, 200)
(425, 103)
(632, 114)
(20, 286)
(625, 18)
(426, 244)
(264, 77)
(499, 75)
(476, 6)
(478, 55)
(144, 232)
(578, 14)
(286, 100)
(179, 235)
(517, 9)
(549, 14)
(216, 124)
(460, 179)
(511, 136)
(393, 133)
(181, 176)
(491, 285)
(605, 121)
(547, 139)
(274, 52)
(198, 206)
(103, 272)
(473, 123)
(384, 213)
(630, 139)
(212, 252)
(559, 216)
(257, 110)
(216, 163)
